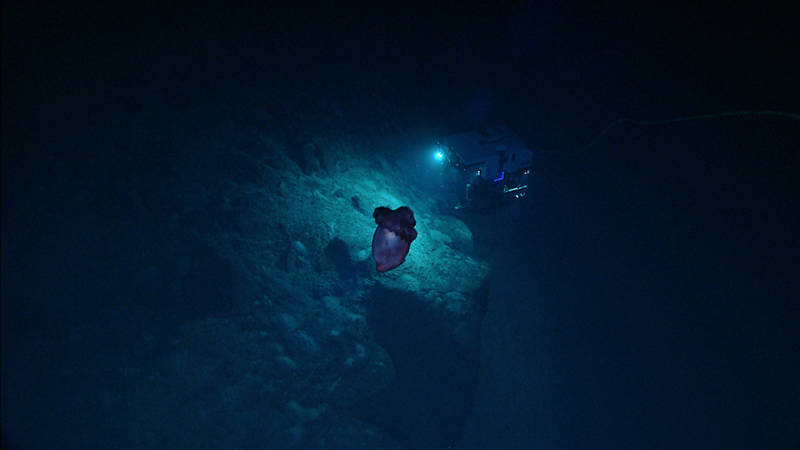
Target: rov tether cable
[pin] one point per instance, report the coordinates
(719, 115)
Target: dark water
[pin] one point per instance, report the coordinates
(645, 294)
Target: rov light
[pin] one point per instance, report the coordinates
(439, 153)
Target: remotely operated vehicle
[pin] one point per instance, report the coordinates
(494, 165)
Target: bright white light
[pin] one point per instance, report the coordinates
(439, 156)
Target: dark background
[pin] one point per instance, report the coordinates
(646, 295)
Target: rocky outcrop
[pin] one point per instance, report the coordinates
(317, 335)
